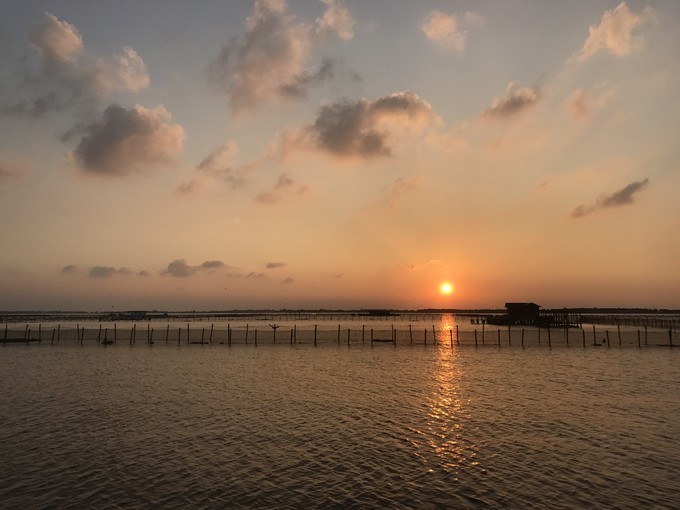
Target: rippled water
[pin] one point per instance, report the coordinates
(337, 426)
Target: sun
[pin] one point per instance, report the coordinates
(445, 288)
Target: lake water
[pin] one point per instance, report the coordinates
(290, 426)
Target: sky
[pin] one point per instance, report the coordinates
(177, 155)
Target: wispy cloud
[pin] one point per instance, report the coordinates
(621, 197)
(515, 102)
(275, 265)
(70, 269)
(284, 187)
(268, 62)
(126, 141)
(614, 34)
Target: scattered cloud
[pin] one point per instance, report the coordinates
(449, 31)
(143, 273)
(363, 128)
(621, 197)
(253, 274)
(275, 265)
(515, 102)
(68, 75)
(107, 271)
(126, 141)
(614, 34)
(70, 269)
(179, 268)
(267, 63)
(288, 281)
(284, 187)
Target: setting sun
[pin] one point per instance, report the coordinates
(446, 288)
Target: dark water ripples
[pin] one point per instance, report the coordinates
(287, 427)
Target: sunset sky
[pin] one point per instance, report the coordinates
(180, 155)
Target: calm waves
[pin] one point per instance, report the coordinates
(336, 426)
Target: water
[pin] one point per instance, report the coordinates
(336, 426)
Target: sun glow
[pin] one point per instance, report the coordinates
(446, 288)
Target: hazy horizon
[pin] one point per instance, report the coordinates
(339, 154)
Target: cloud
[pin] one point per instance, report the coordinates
(57, 42)
(126, 141)
(363, 128)
(107, 272)
(402, 187)
(336, 20)
(179, 268)
(284, 187)
(143, 273)
(582, 103)
(67, 75)
(624, 196)
(287, 281)
(448, 31)
(275, 265)
(267, 63)
(70, 269)
(513, 103)
(11, 168)
(614, 34)
(253, 274)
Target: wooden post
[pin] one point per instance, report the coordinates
(77, 333)
(371, 337)
(499, 337)
(51, 341)
(115, 333)
(295, 332)
(255, 338)
(549, 339)
(338, 333)
(291, 336)
(434, 335)
(594, 335)
(645, 334)
(618, 327)
(82, 335)
(167, 333)
(410, 333)
(99, 335)
(457, 337)
(509, 337)
(475, 337)
(608, 342)
(451, 337)
(246, 333)
(229, 335)
(212, 326)
(202, 335)
(483, 335)
(148, 333)
(583, 331)
(58, 332)
(315, 335)
(188, 333)
(39, 332)
(522, 337)
(26, 332)
(670, 337)
(179, 336)
(151, 337)
(363, 332)
(425, 336)
(4, 339)
(638, 331)
(347, 336)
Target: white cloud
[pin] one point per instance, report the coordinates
(57, 42)
(267, 63)
(449, 31)
(614, 34)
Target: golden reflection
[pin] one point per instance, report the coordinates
(447, 407)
